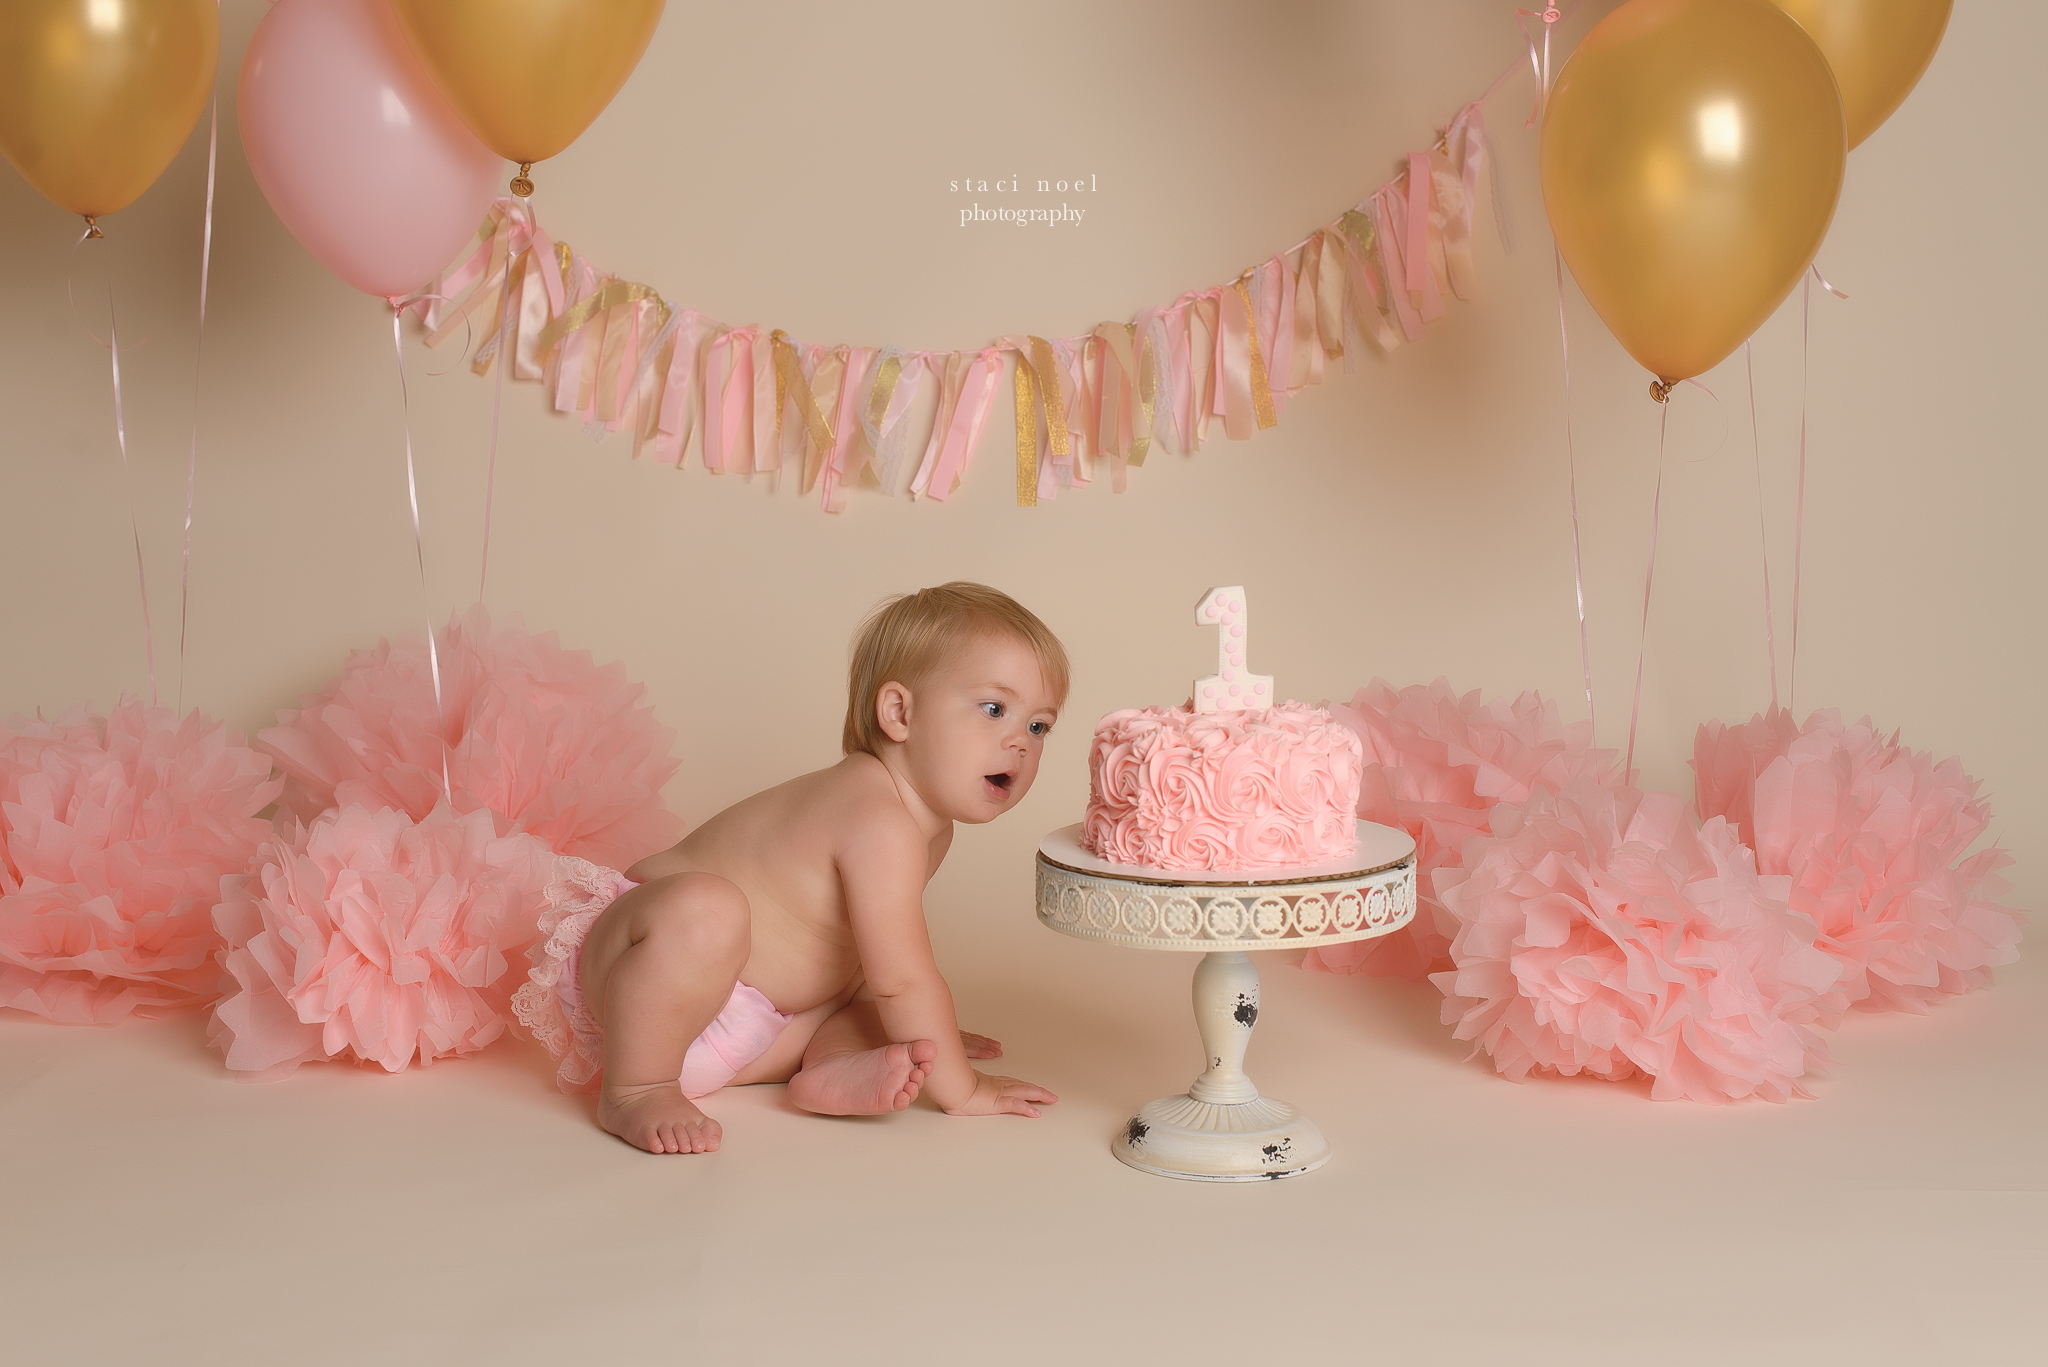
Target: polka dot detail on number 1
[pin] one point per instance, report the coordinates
(1232, 687)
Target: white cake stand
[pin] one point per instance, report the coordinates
(1221, 1129)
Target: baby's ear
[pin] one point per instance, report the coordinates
(892, 711)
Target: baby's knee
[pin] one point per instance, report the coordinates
(706, 914)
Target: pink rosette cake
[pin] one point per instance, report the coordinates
(1222, 790)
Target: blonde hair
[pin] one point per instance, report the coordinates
(907, 636)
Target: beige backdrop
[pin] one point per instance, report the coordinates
(1408, 519)
(788, 165)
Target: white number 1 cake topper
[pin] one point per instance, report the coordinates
(1230, 687)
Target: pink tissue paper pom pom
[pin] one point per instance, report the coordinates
(369, 935)
(114, 834)
(555, 745)
(1597, 933)
(1435, 764)
(1872, 836)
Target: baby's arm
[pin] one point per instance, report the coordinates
(883, 874)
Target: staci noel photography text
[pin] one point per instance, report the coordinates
(1052, 217)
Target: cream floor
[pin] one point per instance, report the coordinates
(156, 1211)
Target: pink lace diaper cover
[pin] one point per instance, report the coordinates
(550, 1002)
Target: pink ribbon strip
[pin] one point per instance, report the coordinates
(134, 525)
(1386, 217)
(678, 398)
(1763, 534)
(1417, 245)
(198, 354)
(412, 491)
(1628, 766)
(977, 392)
(846, 427)
(895, 430)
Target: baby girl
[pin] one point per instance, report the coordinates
(784, 939)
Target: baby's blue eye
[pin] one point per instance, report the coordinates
(1039, 728)
(994, 709)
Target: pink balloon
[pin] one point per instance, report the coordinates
(357, 152)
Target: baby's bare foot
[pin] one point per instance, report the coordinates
(657, 1118)
(873, 1082)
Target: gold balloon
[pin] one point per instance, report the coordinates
(528, 76)
(1692, 154)
(1879, 49)
(97, 96)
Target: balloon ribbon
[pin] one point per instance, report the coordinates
(412, 490)
(198, 354)
(1763, 534)
(1799, 505)
(1572, 485)
(1628, 766)
(134, 527)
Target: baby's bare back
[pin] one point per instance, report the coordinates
(781, 847)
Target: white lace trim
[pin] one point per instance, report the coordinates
(576, 897)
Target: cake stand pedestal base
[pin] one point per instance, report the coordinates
(1254, 1141)
(1222, 1130)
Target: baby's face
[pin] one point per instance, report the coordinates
(977, 728)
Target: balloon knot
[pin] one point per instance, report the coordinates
(522, 186)
(92, 226)
(1660, 390)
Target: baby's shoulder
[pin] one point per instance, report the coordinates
(856, 799)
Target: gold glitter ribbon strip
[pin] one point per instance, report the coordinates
(1047, 368)
(1137, 389)
(881, 393)
(1330, 293)
(1148, 395)
(789, 380)
(1262, 390)
(826, 382)
(1305, 364)
(1027, 435)
(1367, 302)
(1037, 380)
(1261, 387)
(612, 295)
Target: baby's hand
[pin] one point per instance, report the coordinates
(980, 1046)
(1002, 1096)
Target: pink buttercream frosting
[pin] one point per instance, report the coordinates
(1253, 789)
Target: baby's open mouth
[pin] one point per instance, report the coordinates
(999, 782)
